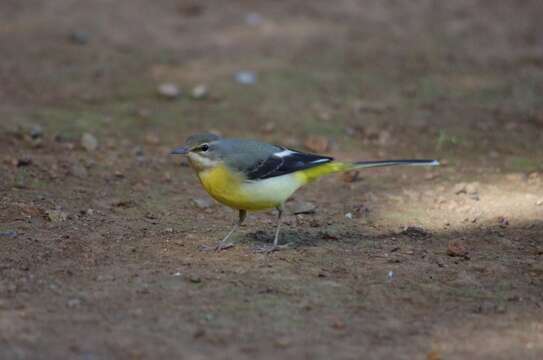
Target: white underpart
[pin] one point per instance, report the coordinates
(273, 190)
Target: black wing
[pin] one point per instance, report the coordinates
(284, 162)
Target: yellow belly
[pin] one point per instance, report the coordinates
(233, 190)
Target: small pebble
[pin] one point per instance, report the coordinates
(303, 207)
(433, 355)
(195, 279)
(431, 176)
(349, 215)
(459, 188)
(152, 139)
(269, 127)
(79, 37)
(11, 234)
(25, 161)
(456, 248)
(78, 170)
(36, 132)
(89, 142)
(317, 143)
(245, 77)
(330, 235)
(415, 232)
(56, 216)
(199, 92)
(253, 19)
(390, 275)
(202, 203)
(169, 90)
(338, 325)
(138, 151)
(350, 176)
(118, 174)
(73, 303)
(199, 333)
(472, 188)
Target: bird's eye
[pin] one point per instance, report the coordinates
(204, 147)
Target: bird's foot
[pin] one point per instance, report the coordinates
(266, 249)
(224, 245)
(219, 247)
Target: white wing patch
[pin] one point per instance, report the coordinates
(284, 153)
(319, 161)
(284, 161)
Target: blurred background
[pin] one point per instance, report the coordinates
(100, 229)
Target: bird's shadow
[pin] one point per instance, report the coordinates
(299, 238)
(293, 238)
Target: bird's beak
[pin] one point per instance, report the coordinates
(182, 150)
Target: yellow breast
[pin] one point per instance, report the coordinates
(232, 189)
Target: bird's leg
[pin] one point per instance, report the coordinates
(275, 245)
(224, 244)
(279, 216)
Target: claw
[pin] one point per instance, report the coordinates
(223, 246)
(267, 249)
(219, 247)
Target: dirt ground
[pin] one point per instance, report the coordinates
(101, 248)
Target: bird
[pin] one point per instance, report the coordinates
(249, 175)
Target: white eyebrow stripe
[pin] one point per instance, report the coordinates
(284, 153)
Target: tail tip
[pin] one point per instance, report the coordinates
(434, 163)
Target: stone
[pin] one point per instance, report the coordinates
(169, 91)
(303, 207)
(78, 170)
(459, 188)
(79, 37)
(152, 139)
(195, 279)
(472, 188)
(89, 142)
(415, 232)
(72, 303)
(350, 176)
(56, 216)
(199, 92)
(36, 132)
(269, 127)
(10, 234)
(456, 248)
(245, 77)
(24, 161)
(316, 143)
(202, 203)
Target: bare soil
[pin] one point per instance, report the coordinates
(101, 250)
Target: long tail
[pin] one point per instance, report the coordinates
(369, 164)
(316, 172)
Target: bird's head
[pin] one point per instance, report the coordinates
(201, 150)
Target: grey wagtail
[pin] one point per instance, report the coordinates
(249, 175)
